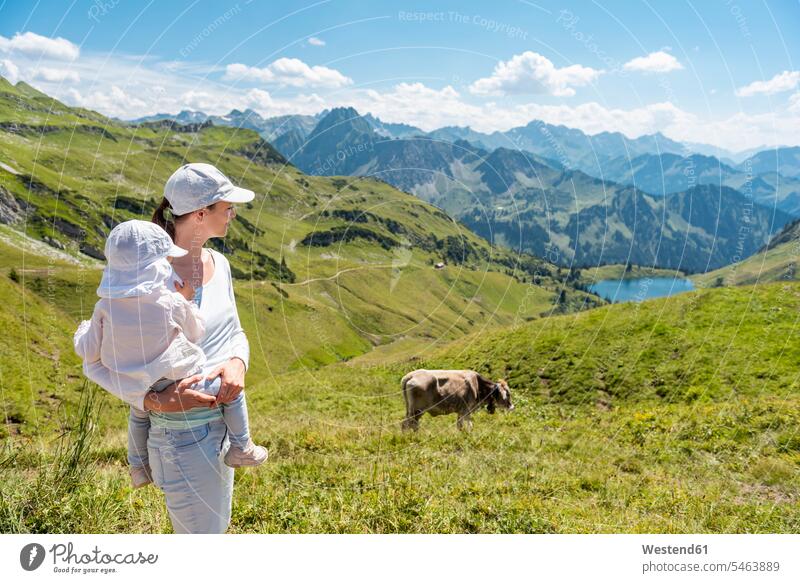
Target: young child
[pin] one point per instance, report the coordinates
(142, 336)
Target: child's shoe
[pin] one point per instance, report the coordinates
(141, 476)
(250, 455)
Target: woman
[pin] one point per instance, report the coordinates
(188, 437)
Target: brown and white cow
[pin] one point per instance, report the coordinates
(441, 392)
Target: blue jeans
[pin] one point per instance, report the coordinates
(187, 465)
(234, 414)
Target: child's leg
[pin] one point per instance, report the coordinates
(242, 452)
(235, 416)
(138, 427)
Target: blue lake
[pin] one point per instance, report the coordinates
(636, 290)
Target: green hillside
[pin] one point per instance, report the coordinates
(776, 261)
(39, 369)
(711, 345)
(677, 415)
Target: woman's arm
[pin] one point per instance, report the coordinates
(233, 371)
(175, 398)
(178, 397)
(240, 347)
(232, 383)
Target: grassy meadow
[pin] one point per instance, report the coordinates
(676, 415)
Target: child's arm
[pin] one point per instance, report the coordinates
(187, 316)
(88, 336)
(122, 387)
(87, 341)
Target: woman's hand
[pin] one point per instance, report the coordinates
(232, 382)
(178, 397)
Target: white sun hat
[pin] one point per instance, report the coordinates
(195, 186)
(136, 253)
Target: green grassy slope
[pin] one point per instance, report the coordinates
(700, 346)
(777, 261)
(678, 415)
(40, 375)
(675, 415)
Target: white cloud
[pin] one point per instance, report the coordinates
(743, 131)
(430, 109)
(130, 86)
(657, 62)
(794, 103)
(202, 101)
(114, 103)
(785, 81)
(415, 104)
(37, 46)
(317, 42)
(532, 73)
(289, 73)
(260, 99)
(55, 75)
(9, 70)
(736, 132)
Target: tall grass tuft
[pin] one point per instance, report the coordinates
(64, 496)
(73, 456)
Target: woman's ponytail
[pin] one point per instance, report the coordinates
(164, 218)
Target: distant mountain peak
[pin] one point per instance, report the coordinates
(345, 111)
(341, 121)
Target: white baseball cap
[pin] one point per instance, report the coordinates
(136, 252)
(195, 186)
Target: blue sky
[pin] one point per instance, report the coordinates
(721, 72)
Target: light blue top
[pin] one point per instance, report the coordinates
(224, 339)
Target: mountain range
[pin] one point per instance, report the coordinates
(555, 191)
(572, 147)
(667, 173)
